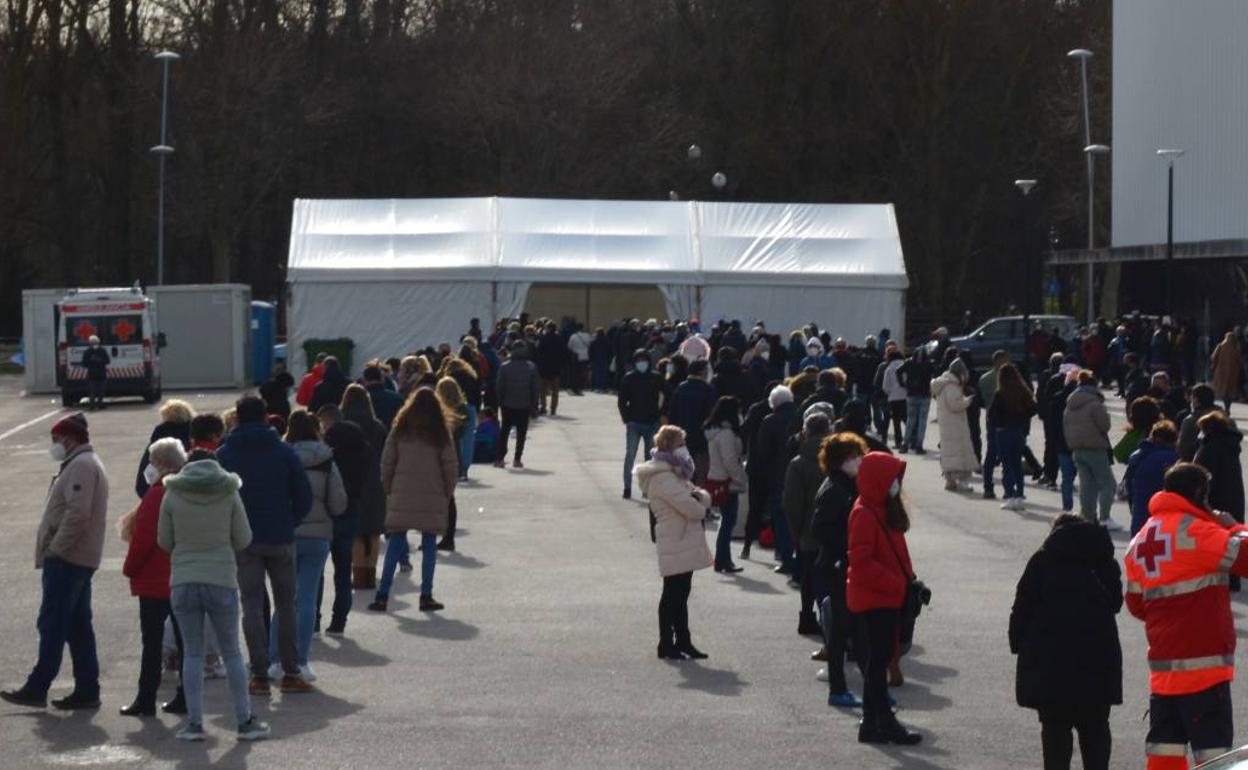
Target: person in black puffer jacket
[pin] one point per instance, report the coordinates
(1219, 454)
(731, 380)
(839, 457)
(769, 452)
(1065, 602)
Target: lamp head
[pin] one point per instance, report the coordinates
(1079, 53)
(167, 56)
(1097, 149)
(1170, 155)
(1025, 185)
(719, 179)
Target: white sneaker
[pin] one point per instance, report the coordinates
(275, 671)
(1111, 525)
(1019, 505)
(307, 673)
(822, 674)
(1007, 504)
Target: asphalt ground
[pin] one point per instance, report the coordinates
(544, 656)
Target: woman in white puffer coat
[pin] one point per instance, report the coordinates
(957, 454)
(678, 508)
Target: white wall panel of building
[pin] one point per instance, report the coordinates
(1180, 70)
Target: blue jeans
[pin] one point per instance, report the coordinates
(1010, 450)
(916, 421)
(1067, 465)
(637, 432)
(600, 374)
(65, 618)
(780, 527)
(192, 602)
(727, 523)
(468, 440)
(396, 543)
(310, 556)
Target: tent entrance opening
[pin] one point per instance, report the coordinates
(595, 304)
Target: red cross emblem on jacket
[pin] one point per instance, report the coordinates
(1153, 547)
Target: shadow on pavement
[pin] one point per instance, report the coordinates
(437, 627)
(67, 733)
(457, 559)
(292, 715)
(527, 471)
(346, 652)
(925, 672)
(750, 585)
(912, 757)
(918, 697)
(713, 681)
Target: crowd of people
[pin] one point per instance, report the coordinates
(240, 513)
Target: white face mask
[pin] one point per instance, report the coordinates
(151, 475)
(765, 355)
(57, 450)
(683, 455)
(642, 366)
(895, 488)
(671, 369)
(851, 466)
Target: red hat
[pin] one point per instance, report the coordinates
(74, 426)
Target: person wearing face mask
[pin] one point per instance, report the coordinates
(691, 405)
(815, 356)
(840, 458)
(638, 404)
(678, 508)
(147, 567)
(95, 360)
(759, 370)
(68, 549)
(879, 575)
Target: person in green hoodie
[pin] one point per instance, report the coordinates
(802, 480)
(202, 525)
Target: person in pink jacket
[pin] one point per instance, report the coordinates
(678, 508)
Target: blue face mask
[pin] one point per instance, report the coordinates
(642, 366)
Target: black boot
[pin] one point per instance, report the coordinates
(808, 625)
(142, 707)
(887, 730)
(989, 494)
(177, 705)
(76, 700)
(667, 651)
(25, 697)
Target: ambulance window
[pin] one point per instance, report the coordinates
(112, 330)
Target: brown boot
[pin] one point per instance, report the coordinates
(363, 578)
(895, 679)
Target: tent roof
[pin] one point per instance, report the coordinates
(597, 241)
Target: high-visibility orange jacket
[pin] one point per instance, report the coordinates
(1177, 570)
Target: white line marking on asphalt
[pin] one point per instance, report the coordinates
(27, 424)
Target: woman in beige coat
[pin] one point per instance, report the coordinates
(678, 508)
(957, 454)
(419, 468)
(1224, 366)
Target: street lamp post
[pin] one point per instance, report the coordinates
(1083, 54)
(162, 151)
(1024, 186)
(1170, 156)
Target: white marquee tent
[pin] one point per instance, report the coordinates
(393, 275)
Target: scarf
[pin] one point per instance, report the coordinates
(683, 468)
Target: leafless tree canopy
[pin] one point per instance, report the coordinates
(936, 106)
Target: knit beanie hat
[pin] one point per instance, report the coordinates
(73, 426)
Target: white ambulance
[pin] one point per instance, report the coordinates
(125, 322)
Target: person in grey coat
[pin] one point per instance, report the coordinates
(1085, 424)
(518, 387)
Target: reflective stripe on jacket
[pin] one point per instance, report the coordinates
(1177, 570)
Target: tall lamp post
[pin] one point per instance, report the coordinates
(162, 151)
(1091, 151)
(1083, 54)
(1024, 186)
(1170, 156)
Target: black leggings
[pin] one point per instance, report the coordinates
(897, 413)
(674, 609)
(520, 419)
(1091, 720)
(880, 628)
(152, 614)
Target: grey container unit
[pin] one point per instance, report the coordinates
(207, 335)
(39, 339)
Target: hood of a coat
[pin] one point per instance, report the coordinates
(1082, 399)
(252, 436)
(1173, 504)
(203, 481)
(1227, 440)
(312, 453)
(876, 475)
(713, 431)
(649, 470)
(809, 448)
(1080, 541)
(947, 379)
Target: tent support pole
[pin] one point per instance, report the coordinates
(493, 303)
(698, 302)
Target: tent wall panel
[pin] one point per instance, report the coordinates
(848, 312)
(609, 303)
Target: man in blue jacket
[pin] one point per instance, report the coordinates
(277, 496)
(691, 404)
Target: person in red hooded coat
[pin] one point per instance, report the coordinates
(875, 588)
(308, 384)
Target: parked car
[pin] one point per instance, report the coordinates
(1007, 333)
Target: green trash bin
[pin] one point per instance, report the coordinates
(340, 349)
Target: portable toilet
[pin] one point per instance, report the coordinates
(263, 337)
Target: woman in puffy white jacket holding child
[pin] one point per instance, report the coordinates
(678, 508)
